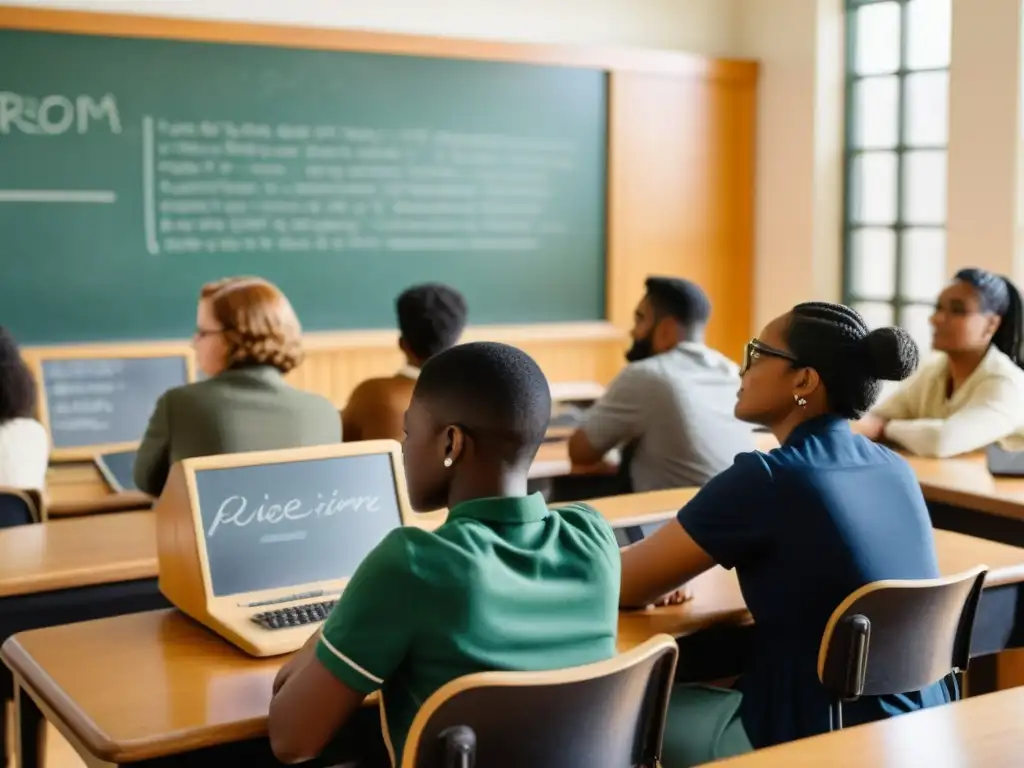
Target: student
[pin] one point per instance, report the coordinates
(972, 394)
(505, 583)
(431, 318)
(247, 337)
(24, 445)
(672, 405)
(804, 526)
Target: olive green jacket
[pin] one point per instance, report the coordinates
(242, 409)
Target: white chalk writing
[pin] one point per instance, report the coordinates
(235, 510)
(57, 114)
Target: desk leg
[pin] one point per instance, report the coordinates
(31, 752)
(6, 705)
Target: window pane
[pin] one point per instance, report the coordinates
(875, 315)
(875, 112)
(923, 271)
(878, 39)
(927, 109)
(928, 33)
(915, 321)
(924, 187)
(874, 188)
(873, 265)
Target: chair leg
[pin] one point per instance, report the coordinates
(835, 716)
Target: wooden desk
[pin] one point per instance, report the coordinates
(148, 684)
(966, 482)
(981, 732)
(79, 489)
(77, 552)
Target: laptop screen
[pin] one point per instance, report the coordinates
(282, 525)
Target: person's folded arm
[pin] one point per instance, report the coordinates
(152, 460)
(364, 640)
(616, 418)
(726, 521)
(995, 410)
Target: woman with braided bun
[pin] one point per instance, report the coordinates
(972, 393)
(247, 338)
(803, 525)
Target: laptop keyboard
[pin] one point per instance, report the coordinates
(294, 616)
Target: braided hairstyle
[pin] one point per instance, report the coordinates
(260, 325)
(1000, 297)
(17, 387)
(835, 341)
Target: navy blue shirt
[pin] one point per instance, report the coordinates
(804, 526)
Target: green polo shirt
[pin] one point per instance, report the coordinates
(504, 584)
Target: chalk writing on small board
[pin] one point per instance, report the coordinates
(300, 522)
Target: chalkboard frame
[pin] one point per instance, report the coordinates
(185, 577)
(41, 355)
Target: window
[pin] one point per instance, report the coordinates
(897, 86)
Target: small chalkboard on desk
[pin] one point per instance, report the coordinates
(93, 400)
(258, 546)
(118, 469)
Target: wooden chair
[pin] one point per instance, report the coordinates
(21, 507)
(611, 713)
(891, 637)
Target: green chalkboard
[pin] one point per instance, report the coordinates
(134, 170)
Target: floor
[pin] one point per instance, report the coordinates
(59, 753)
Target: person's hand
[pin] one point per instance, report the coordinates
(675, 597)
(872, 427)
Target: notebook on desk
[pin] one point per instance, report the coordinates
(258, 546)
(1003, 462)
(118, 470)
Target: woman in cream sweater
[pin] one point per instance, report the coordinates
(972, 394)
(24, 446)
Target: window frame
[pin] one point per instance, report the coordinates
(899, 225)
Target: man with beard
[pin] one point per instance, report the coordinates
(671, 408)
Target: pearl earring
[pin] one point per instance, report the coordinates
(800, 401)
(448, 461)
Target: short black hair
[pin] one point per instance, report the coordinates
(835, 341)
(17, 386)
(496, 392)
(682, 300)
(431, 318)
(1001, 297)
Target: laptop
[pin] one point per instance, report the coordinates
(1003, 462)
(118, 470)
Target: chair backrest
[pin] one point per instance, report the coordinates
(611, 713)
(20, 507)
(894, 637)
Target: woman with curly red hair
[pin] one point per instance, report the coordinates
(247, 338)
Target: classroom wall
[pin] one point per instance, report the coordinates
(798, 214)
(697, 26)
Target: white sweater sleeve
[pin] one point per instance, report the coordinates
(905, 402)
(994, 410)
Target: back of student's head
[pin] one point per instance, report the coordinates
(431, 318)
(481, 407)
(682, 300)
(256, 322)
(17, 386)
(851, 360)
(998, 297)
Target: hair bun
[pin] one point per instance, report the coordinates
(892, 354)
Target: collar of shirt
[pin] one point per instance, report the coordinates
(511, 510)
(409, 372)
(817, 426)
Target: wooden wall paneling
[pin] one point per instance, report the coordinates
(681, 176)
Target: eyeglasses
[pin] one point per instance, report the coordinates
(756, 349)
(202, 333)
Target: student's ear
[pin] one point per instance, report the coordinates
(806, 384)
(455, 441)
(992, 325)
(666, 335)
